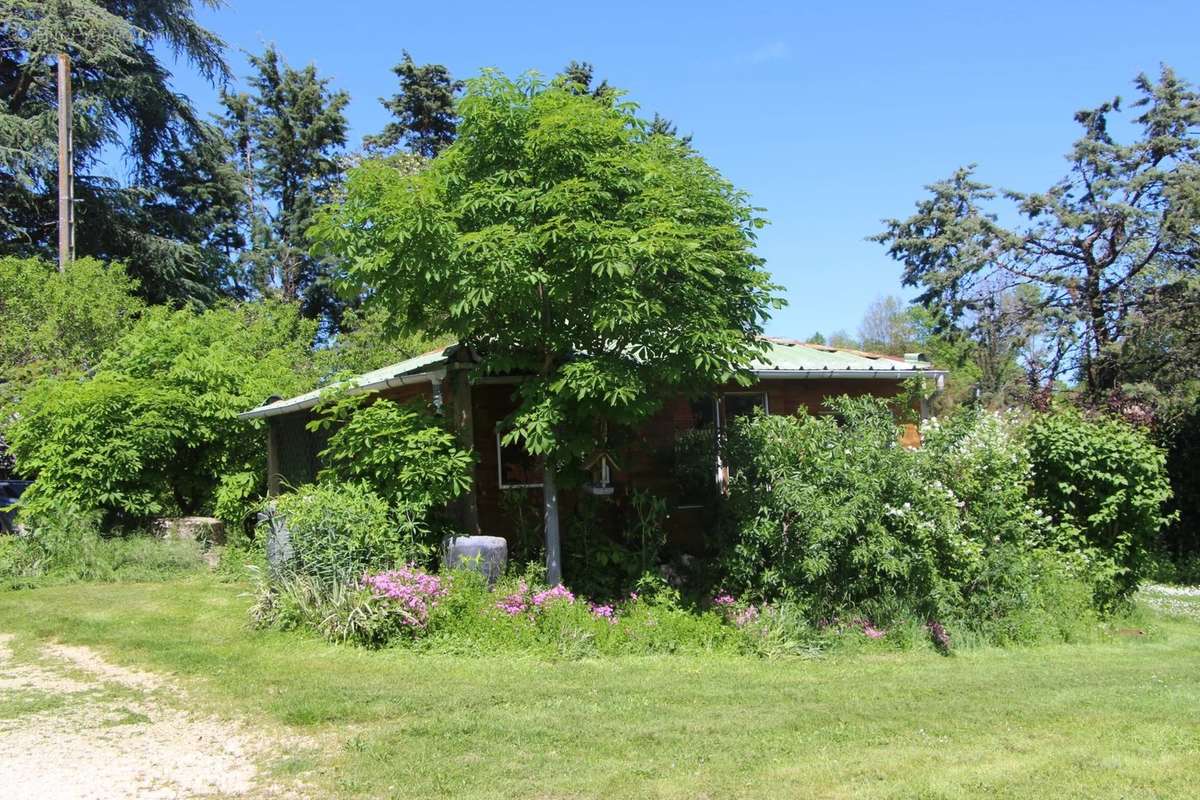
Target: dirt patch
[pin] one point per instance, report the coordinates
(87, 661)
(81, 727)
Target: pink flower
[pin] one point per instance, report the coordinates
(558, 592)
(872, 632)
(724, 600)
(412, 592)
(604, 612)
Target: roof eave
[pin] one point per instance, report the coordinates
(863, 374)
(305, 402)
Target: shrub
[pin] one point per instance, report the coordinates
(156, 427)
(405, 454)
(831, 512)
(339, 531)
(1103, 483)
(830, 519)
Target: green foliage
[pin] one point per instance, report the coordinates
(829, 518)
(1103, 482)
(363, 343)
(982, 456)
(832, 512)
(66, 547)
(1101, 260)
(337, 531)
(467, 619)
(425, 119)
(557, 238)
(289, 133)
(156, 429)
(61, 321)
(165, 222)
(401, 451)
(235, 502)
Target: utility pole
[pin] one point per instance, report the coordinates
(66, 166)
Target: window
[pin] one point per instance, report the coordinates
(516, 468)
(742, 404)
(704, 413)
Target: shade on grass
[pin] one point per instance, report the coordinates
(1116, 718)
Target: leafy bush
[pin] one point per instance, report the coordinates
(156, 428)
(1103, 483)
(60, 322)
(611, 545)
(830, 519)
(403, 453)
(833, 513)
(339, 531)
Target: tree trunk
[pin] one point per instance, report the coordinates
(553, 549)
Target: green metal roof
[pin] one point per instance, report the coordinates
(785, 358)
(422, 367)
(791, 356)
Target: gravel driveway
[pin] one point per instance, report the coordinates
(73, 725)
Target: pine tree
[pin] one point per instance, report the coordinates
(426, 121)
(122, 94)
(287, 136)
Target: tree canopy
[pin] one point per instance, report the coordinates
(1107, 252)
(560, 239)
(425, 119)
(159, 221)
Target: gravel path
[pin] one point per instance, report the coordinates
(73, 725)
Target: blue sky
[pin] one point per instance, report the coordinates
(831, 115)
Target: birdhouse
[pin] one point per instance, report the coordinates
(601, 466)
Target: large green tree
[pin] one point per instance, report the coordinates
(153, 219)
(425, 120)
(562, 241)
(1102, 255)
(286, 136)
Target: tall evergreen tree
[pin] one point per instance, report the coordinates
(1104, 253)
(425, 120)
(287, 136)
(122, 98)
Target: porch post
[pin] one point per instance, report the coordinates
(466, 507)
(272, 458)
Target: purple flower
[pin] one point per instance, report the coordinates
(412, 593)
(558, 592)
(603, 612)
(724, 600)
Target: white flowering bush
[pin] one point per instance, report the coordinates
(830, 513)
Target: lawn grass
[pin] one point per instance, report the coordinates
(1119, 717)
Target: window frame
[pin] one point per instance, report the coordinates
(500, 471)
(722, 416)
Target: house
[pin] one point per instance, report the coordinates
(788, 376)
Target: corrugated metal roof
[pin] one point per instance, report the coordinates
(418, 367)
(791, 355)
(785, 358)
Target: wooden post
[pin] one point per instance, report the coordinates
(273, 466)
(553, 546)
(66, 166)
(467, 506)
